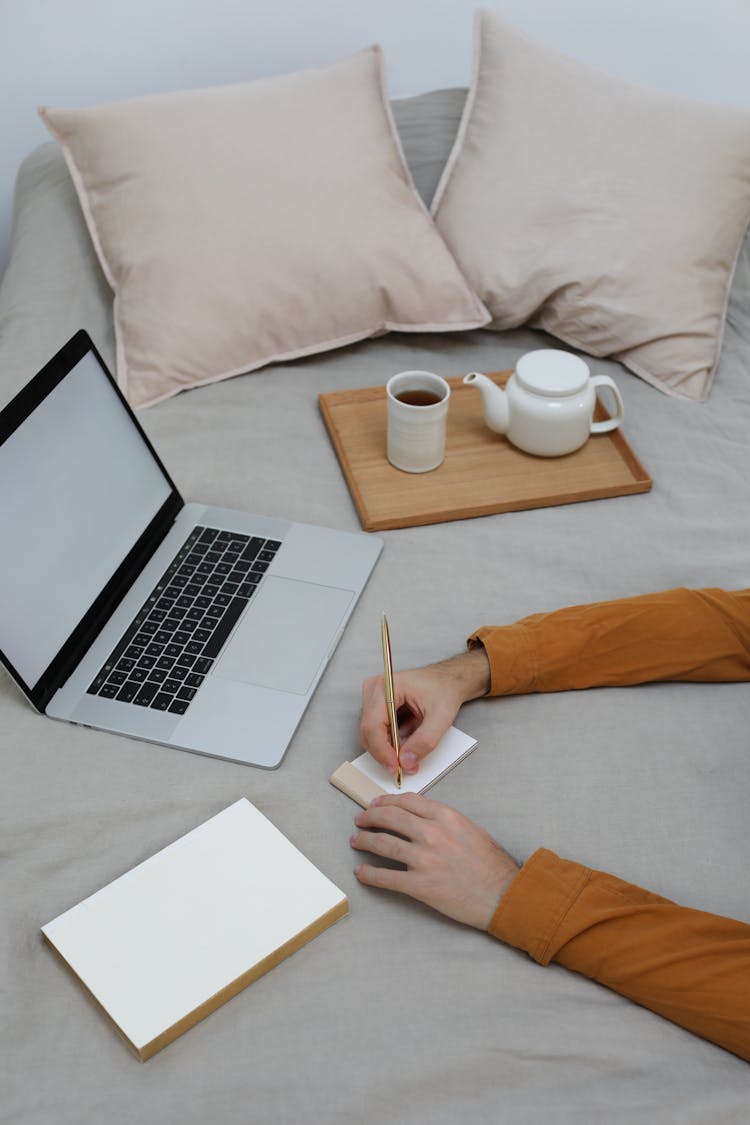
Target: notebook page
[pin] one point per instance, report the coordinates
(450, 750)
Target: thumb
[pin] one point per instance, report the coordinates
(424, 739)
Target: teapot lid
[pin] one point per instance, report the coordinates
(552, 372)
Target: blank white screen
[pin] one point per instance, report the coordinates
(78, 486)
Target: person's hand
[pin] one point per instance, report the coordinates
(452, 864)
(427, 699)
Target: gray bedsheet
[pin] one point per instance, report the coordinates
(396, 1014)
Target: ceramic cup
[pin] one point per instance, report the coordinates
(417, 414)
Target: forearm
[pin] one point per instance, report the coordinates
(688, 966)
(699, 635)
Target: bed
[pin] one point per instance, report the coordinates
(396, 1013)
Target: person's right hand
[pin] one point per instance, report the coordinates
(427, 701)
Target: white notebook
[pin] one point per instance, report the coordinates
(170, 941)
(364, 778)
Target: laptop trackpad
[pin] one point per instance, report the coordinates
(285, 635)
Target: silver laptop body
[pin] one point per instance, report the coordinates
(125, 609)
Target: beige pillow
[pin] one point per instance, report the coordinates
(610, 216)
(244, 224)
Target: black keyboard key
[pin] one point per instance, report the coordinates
(192, 589)
(252, 548)
(145, 694)
(139, 675)
(223, 537)
(233, 548)
(259, 567)
(149, 627)
(224, 628)
(184, 602)
(164, 662)
(173, 592)
(157, 676)
(201, 635)
(173, 650)
(202, 665)
(128, 691)
(230, 588)
(154, 650)
(203, 602)
(211, 589)
(246, 590)
(161, 701)
(186, 693)
(147, 662)
(222, 599)
(108, 691)
(194, 615)
(179, 672)
(188, 625)
(273, 544)
(142, 640)
(194, 648)
(223, 568)
(163, 637)
(184, 661)
(241, 567)
(165, 603)
(125, 664)
(181, 637)
(205, 568)
(215, 611)
(193, 680)
(208, 534)
(132, 652)
(174, 621)
(212, 556)
(266, 556)
(172, 685)
(117, 678)
(157, 615)
(178, 706)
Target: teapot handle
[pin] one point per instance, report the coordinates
(613, 422)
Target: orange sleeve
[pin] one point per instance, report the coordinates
(675, 635)
(687, 965)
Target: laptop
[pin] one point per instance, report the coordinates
(126, 609)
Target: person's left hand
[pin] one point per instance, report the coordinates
(451, 863)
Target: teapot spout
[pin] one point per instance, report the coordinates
(494, 401)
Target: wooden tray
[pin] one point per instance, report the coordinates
(482, 472)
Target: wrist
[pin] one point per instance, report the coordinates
(469, 673)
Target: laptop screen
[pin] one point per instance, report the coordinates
(78, 487)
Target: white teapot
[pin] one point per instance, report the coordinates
(547, 406)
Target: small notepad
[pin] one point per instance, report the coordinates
(170, 941)
(364, 778)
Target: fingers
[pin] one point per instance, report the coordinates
(382, 844)
(373, 728)
(392, 818)
(385, 877)
(391, 826)
(413, 803)
(424, 739)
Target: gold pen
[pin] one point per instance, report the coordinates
(388, 673)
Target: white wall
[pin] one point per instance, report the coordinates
(78, 52)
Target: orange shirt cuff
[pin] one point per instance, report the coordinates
(511, 652)
(536, 903)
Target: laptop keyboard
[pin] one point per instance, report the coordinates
(170, 646)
